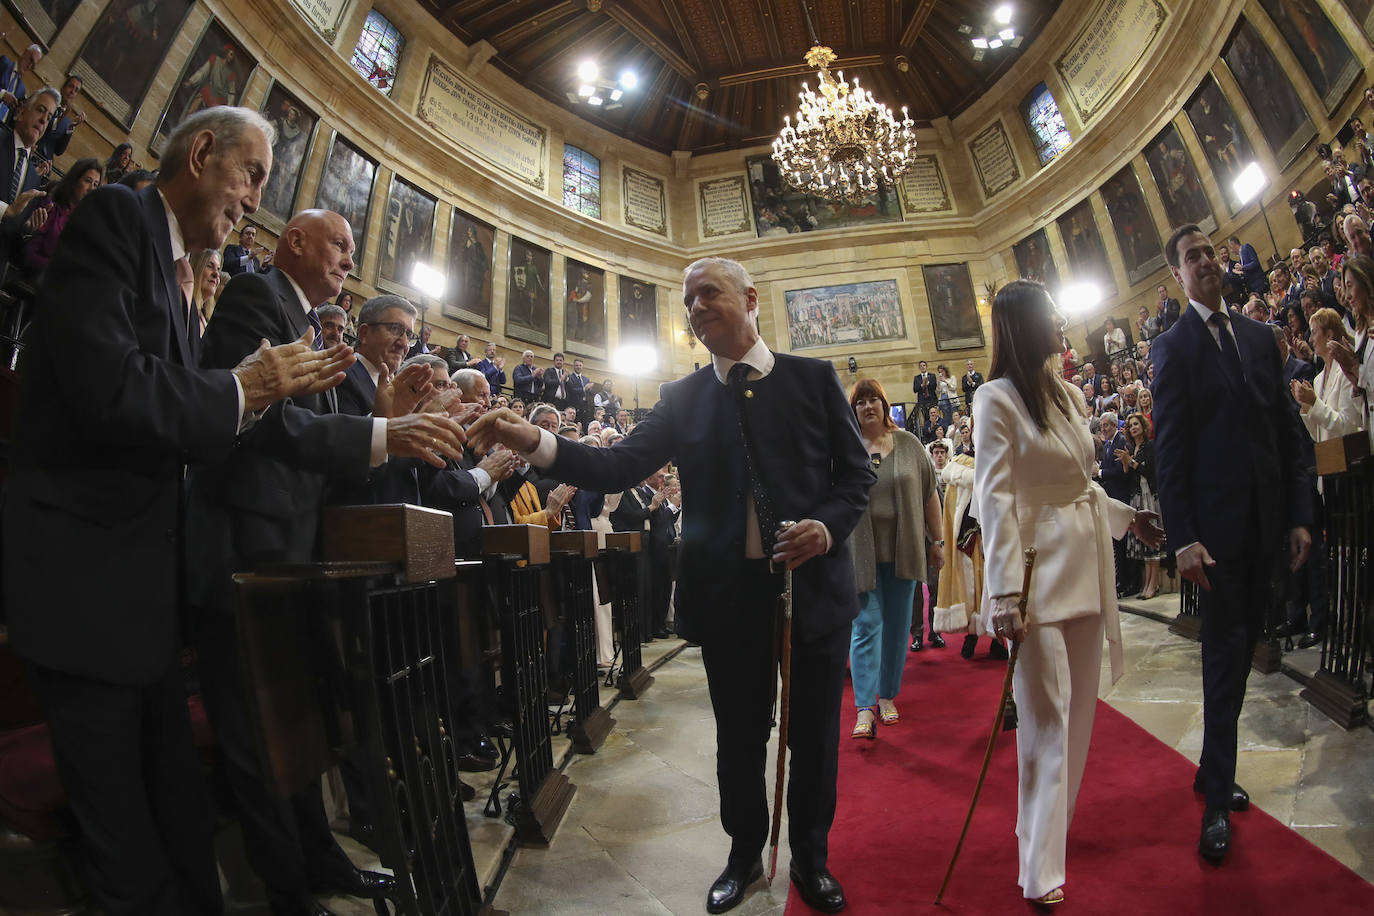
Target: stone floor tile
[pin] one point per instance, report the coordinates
(1168, 722)
(1353, 846)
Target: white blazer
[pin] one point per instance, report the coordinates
(1035, 489)
(1336, 412)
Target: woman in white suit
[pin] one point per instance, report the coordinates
(1034, 489)
(1329, 408)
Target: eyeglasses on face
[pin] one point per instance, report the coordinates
(395, 329)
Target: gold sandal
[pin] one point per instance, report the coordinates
(887, 711)
(867, 729)
(1053, 897)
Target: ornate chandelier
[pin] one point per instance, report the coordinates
(845, 143)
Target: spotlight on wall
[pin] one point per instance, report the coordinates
(427, 281)
(635, 360)
(1079, 298)
(587, 71)
(1248, 186)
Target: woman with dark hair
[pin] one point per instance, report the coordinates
(82, 178)
(1106, 395)
(1296, 322)
(948, 387)
(1357, 272)
(891, 546)
(1033, 488)
(120, 161)
(1138, 461)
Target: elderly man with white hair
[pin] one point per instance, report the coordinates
(1357, 235)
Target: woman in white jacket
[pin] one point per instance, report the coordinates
(1034, 489)
(1329, 409)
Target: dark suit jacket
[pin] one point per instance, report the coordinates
(357, 392)
(586, 506)
(632, 511)
(970, 384)
(234, 263)
(261, 506)
(528, 382)
(57, 137)
(454, 490)
(9, 79)
(551, 386)
(31, 177)
(1300, 369)
(495, 377)
(1115, 480)
(810, 454)
(577, 390)
(1227, 457)
(93, 517)
(924, 387)
(1172, 310)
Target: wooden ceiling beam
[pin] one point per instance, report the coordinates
(644, 33)
(727, 34)
(684, 37)
(508, 17)
(771, 36)
(854, 22)
(589, 30)
(917, 23)
(857, 62)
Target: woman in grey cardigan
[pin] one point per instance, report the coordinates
(891, 550)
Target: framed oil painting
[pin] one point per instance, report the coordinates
(1315, 42)
(471, 246)
(638, 312)
(1035, 262)
(1178, 182)
(1087, 255)
(295, 125)
(215, 74)
(124, 51)
(43, 18)
(1224, 144)
(847, 314)
(1363, 12)
(1282, 119)
(780, 209)
(584, 310)
(1136, 233)
(346, 188)
(407, 234)
(527, 293)
(953, 306)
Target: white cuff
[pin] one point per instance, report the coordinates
(829, 540)
(1179, 552)
(482, 478)
(378, 452)
(246, 417)
(544, 454)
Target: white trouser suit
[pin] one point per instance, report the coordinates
(1033, 488)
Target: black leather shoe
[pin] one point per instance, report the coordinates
(937, 641)
(662, 634)
(466, 792)
(728, 889)
(998, 650)
(370, 885)
(471, 763)
(970, 642)
(1216, 834)
(1240, 799)
(1308, 640)
(916, 644)
(819, 890)
(483, 747)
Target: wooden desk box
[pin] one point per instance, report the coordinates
(1335, 456)
(419, 539)
(528, 542)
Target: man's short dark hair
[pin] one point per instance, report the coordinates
(1171, 246)
(374, 308)
(556, 355)
(331, 310)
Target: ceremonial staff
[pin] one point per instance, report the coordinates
(784, 713)
(1029, 555)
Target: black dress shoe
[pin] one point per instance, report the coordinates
(1308, 640)
(483, 747)
(1240, 799)
(504, 729)
(471, 763)
(970, 642)
(1216, 834)
(662, 634)
(728, 889)
(998, 650)
(466, 792)
(819, 890)
(370, 885)
(937, 641)
(916, 644)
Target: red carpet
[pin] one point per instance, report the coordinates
(1132, 845)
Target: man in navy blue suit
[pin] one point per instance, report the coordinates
(1118, 486)
(810, 465)
(1232, 489)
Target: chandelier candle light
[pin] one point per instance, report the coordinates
(845, 143)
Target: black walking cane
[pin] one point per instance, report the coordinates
(996, 723)
(784, 714)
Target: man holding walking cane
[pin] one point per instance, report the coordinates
(759, 437)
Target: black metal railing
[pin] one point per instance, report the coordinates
(1341, 686)
(573, 569)
(623, 559)
(1188, 623)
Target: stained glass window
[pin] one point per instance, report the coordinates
(378, 52)
(1045, 123)
(581, 181)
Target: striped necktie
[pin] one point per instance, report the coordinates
(21, 156)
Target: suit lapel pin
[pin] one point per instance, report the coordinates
(748, 392)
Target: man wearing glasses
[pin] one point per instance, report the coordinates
(386, 329)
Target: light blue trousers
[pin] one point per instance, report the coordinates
(880, 637)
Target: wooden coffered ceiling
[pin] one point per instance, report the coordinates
(748, 53)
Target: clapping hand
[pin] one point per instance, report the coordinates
(499, 463)
(1145, 525)
(1303, 393)
(1343, 355)
(430, 437)
(405, 392)
(559, 498)
(1124, 457)
(290, 370)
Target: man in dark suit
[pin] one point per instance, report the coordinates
(261, 507)
(19, 174)
(385, 326)
(578, 383)
(247, 256)
(96, 473)
(527, 379)
(557, 388)
(1118, 486)
(1219, 391)
(812, 466)
(493, 367)
(64, 122)
(924, 387)
(13, 92)
(1167, 310)
(644, 508)
(969, 383)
